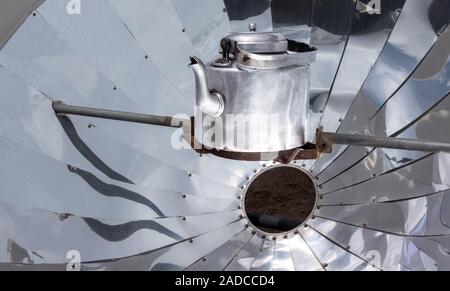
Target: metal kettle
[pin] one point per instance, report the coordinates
(260, 78)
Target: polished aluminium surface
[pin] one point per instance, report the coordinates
(434, 85)
(126, 200)
(12, 15)
(410, 40)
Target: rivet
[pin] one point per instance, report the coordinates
(255, 171)
(340, 119)
(263, 236)
(34, 14)
(183, 218)
(347, 247)
(189, 174)
(203, 260)
(183, 30)
(242, 187)
(364, 225)
(246, 226)
(239, 207)
(115, 88)
(146, 57)
(224, 10)
(264, 165)
(239, 197)
(253, 232)
(321, 197)
(285, 237)
(325, 265)
(184, 196)
(274, 238)
(191, 241)
(241, 216)
(305, 226)
(303, 165)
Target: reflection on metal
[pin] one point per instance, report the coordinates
(124, 199)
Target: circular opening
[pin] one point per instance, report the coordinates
(280, 199)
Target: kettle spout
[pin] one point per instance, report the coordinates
(210, 102)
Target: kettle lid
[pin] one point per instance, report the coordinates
(256, 42)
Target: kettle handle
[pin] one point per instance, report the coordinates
(299, 54)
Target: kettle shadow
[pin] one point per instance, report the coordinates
(113, 190)
(84, 149)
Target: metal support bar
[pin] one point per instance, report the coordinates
(166, 121)
(383, 142)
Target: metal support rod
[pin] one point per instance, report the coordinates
(166, 121)
(385, 142)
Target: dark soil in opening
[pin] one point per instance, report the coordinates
(284, 192)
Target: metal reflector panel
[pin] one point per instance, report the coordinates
(91, 194)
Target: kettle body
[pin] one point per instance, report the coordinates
(258, 95)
